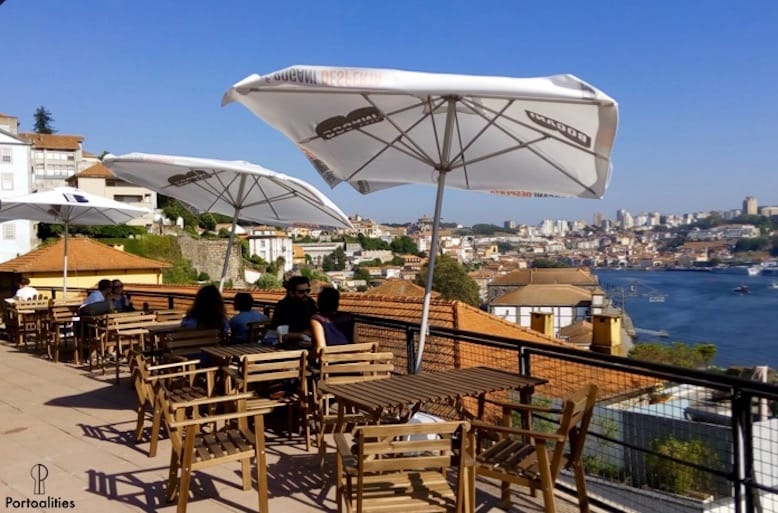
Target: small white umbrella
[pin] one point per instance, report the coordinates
(235, 188)
(68, 206)
(378, 128)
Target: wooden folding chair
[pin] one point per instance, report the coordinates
(276, 379)
(534, 459)
(183, 381)
(349, 363)
(182, 343)
(60, 329)
(194, 448)
(405, 468)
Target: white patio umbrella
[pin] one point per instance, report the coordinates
(235, 188)
(377, 128)
(68, 206)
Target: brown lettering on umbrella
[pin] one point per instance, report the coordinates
(192, 176)
(339, 125)
(571, 133)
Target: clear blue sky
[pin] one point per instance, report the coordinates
(695, 81)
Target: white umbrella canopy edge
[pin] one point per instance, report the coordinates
(68, 206)
(523, 137)
(237, 188)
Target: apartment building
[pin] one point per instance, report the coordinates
(17, 236)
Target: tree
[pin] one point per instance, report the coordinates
(361, 274)
(268, 281)
(680, 354)
(450, 279)
(404, 245)
(43, 121)
(372, 244)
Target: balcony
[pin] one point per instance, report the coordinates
(663, 439)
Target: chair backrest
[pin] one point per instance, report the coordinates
(273, 367)
(129, 320)
(352, 363)
(574, 422)
(188, 340)
(257, 330)
(168, 315)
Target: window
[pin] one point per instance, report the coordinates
(9, 230)
(7, 181)
(6, 156)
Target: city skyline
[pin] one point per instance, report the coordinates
(148, 77)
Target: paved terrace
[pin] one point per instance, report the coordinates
(79, 425)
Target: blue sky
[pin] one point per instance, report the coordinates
(695, 81)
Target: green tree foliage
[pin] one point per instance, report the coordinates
(504, 247)
(404, 245)
(678, 478)
(43, 120)
(752, 244)
(678, 354)
(361, 274)
(544, 263)
(450, 279)
(372, 244)
(268, 281)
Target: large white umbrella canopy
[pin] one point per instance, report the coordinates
(378, 128)
(235, 188)
(68, 206)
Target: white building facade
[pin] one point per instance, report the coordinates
(17, 237)
(270, 245)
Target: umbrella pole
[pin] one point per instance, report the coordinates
(238, 204)
(425, 312)
(229, 250)
(443, 169)
(65, 270)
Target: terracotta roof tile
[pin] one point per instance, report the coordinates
(398, 287)
(53, 141)
(573, 276)
(544, 295)
(96, 171)
(83, 255)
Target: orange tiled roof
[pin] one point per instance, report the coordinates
(53, 141)
(544, 295)
(398, 287)
(83, 255)
(578, 333)
(96, 171)
(520, 277)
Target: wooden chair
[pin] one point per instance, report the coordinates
(276, 379)
(257, 331)
(183, 342)
(127, 329)
(404, 468)
(194, 448)
(183, 382)
(534, 459)
(349, 363)
(60, 329)
(168, 315)
(24, 318)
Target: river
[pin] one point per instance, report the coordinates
(702, 307)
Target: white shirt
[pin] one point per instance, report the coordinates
(26, 292)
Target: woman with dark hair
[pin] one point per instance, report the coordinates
(330, 327)
(207, 311)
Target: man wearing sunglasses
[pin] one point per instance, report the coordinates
(295, 310)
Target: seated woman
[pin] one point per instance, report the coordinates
(330, 327)
(239, 324)
(207, 311)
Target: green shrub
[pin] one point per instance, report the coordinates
(679, 478)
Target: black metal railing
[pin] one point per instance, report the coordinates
(663, 438)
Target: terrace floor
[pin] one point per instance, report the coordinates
(79, 424)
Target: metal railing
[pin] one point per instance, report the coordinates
(663, 438)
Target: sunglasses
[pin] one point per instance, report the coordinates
(302, 291)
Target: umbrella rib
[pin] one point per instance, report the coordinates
(461, 153)
(435, 131)
(490, 122)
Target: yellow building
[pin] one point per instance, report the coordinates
(88, 262)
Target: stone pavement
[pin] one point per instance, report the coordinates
(79, 425)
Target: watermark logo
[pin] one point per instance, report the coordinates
(39, 472)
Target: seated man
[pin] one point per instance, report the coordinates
(239, 323)
(25, 290)
(99, 301)
(295, 310)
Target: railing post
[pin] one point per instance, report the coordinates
(170, 302)
(524, 361)
(743, 452)
(410, 350)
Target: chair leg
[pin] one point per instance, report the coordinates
(172, 479)
(186, 468)
(547, 483)
(505, 495)
(139, 422)
(155, 428)
(580, 485)
(245, 473)
(261, 456)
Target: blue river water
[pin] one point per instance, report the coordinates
(702, 307)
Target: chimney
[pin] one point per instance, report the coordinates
(542, 322)
(606, 334)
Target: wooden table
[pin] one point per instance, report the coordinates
(224, 355)
(403, 395)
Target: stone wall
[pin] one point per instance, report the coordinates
(207, 255)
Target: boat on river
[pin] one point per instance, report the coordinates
(742, 289)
